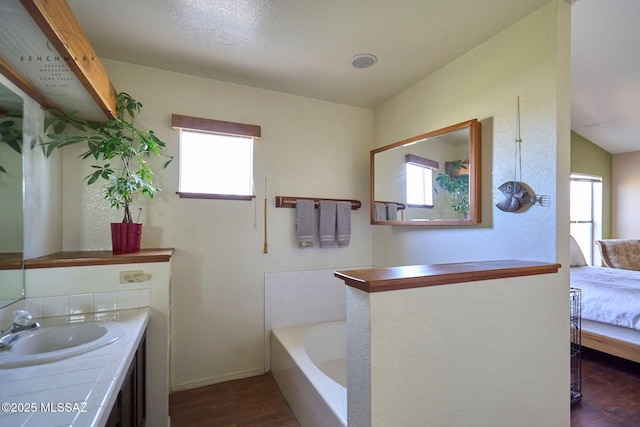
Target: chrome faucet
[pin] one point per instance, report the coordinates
(23, 321)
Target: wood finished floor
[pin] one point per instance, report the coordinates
(611, 392)
(254, 401)
(610, 388)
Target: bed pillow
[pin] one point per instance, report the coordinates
(577, 257)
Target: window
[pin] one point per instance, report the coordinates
(586, 214)
(216, 158)
(419, 176)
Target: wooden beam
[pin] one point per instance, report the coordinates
(59, 25)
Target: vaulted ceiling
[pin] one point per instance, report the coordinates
(304, 47)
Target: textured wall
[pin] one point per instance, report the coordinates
(625, 196)
(484, 84)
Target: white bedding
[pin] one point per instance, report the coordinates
(609, 295)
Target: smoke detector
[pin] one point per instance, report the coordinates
(363, 60)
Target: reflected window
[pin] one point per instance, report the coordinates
(419, 175)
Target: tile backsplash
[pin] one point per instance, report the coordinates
(87, 302)
(301, 297)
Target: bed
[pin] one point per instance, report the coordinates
(610, 307)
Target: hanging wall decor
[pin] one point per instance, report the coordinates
(518, 196)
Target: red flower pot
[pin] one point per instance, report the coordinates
(125, 237)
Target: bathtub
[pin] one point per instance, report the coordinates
(309, 363)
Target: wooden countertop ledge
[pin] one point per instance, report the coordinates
(86, 258)
(418, 276)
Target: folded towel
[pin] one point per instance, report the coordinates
(327, 223)
(305, 215)
(392, 211)
(381, 212)
(343, 223)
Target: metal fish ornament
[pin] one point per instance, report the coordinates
(516, 196)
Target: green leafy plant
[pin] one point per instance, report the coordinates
(119, 146)
(457, 185)
(11, 131)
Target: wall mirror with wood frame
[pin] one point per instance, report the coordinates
(431, 179)
(11, 197)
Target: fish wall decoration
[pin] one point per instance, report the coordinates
(518, 197)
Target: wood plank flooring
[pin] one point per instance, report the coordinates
(610, 388)
(611, 392)
(254, 401)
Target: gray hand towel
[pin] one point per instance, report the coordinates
(381, 212)
(305, 215)
(392, 211)
(343, 223)
(327, 223)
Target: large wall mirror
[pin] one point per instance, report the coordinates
(12, 196)
(430, 179)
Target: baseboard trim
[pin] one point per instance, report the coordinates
(216, 380)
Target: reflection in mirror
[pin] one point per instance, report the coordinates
(430, 179)
(11, 195)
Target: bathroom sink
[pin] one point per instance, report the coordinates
(53, 343)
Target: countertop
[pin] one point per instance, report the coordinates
(86, 385)
(419, 276)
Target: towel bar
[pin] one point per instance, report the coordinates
(401, 206)
(290, 201)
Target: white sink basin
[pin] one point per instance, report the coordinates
(53, 343)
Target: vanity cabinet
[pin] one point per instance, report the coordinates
(129, 409)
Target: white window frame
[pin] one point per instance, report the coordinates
(419, 185)
(591, 221)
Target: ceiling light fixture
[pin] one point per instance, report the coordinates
(363, 60)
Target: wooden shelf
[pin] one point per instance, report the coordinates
(86, 258)
(418, 276)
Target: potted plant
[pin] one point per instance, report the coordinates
(456, 183)
(120, 149)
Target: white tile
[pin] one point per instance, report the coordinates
(105, 301)
(81, 303)
(321, 290)
(33, 385)
(14, 419)
(145, 298)
(276, 292)
(55, 306)
(288, 294)
(311, 317)
(311, 292)
(288, 320)
(277, 321)
(98, 394)
(34, 306)
(276, 307)
(299, 318)
(299, 306)
(288, 307)
(80, 377)
(299, 292)
(128, 299)
(52, 416)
